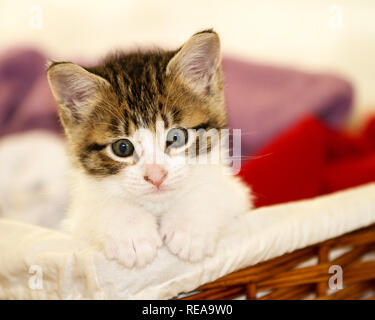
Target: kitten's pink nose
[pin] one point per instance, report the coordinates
(155, 174)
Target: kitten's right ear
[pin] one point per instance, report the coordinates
(75, 90)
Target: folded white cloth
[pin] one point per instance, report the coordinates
(41, 263)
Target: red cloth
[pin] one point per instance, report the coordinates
(311, 159)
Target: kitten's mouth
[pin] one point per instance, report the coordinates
(160, 190)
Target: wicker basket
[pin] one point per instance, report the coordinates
(286, 277)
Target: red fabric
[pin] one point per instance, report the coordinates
(311, 159)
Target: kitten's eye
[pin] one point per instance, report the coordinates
(123, 148)
(177, 137)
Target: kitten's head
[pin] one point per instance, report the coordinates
(129, 120)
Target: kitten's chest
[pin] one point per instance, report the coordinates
(158, 207)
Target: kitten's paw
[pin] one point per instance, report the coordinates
(132, 249)
(187, 242)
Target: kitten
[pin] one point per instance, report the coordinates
(130, 122)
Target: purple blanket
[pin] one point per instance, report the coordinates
(262, 101)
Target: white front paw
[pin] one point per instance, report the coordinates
(186, 241)
(133, 248)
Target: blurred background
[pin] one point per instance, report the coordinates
(316, 35)
(299, 84)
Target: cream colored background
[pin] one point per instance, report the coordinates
(289, 32)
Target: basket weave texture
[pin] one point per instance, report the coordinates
(286, 277)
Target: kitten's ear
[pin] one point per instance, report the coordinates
(75, 89)
(197, 62)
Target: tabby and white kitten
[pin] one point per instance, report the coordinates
(132, 192)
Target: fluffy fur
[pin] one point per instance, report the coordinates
(141, 96)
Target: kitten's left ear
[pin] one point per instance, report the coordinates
(198, 61)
